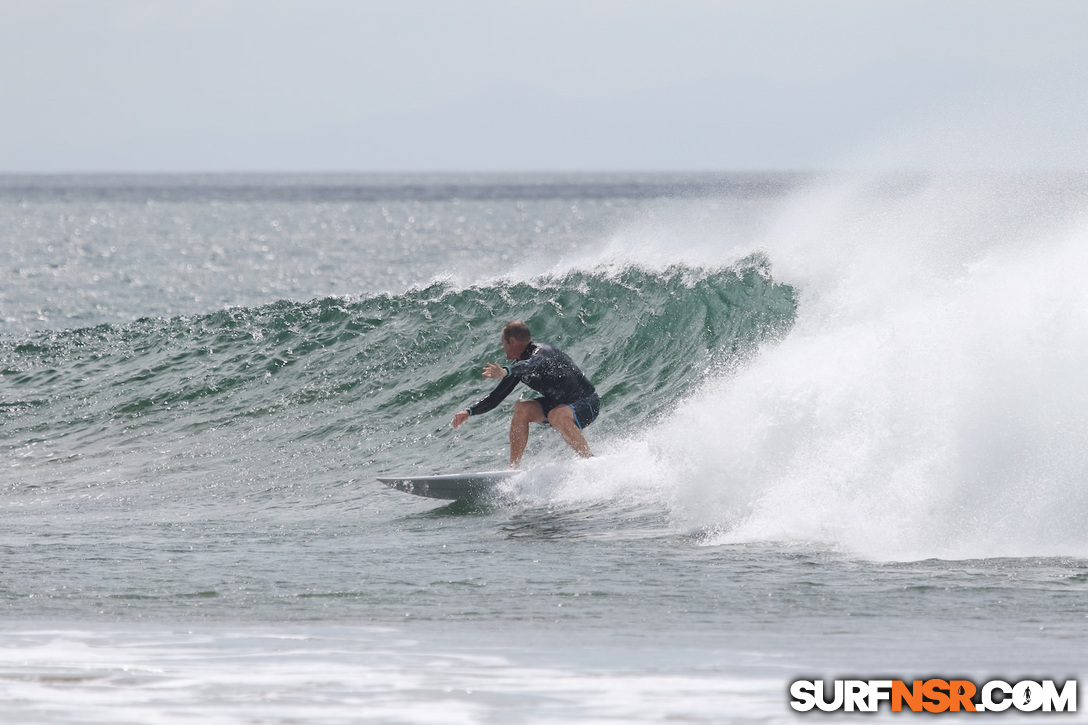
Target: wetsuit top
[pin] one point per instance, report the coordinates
(545, 369)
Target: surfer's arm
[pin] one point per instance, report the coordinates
(495, 397)
(498, 372)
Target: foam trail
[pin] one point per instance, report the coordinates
(931, 399)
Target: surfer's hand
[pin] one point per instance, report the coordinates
(491, 370)
(460, 418)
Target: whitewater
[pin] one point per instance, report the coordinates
(843, 433)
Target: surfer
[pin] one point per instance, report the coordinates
(568, 402)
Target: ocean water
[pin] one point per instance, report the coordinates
(844, 433)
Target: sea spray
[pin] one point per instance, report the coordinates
(930, 399)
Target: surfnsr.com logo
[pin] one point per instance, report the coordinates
(933, 695)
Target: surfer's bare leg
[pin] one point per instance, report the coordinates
(525, 412)
(561, 418)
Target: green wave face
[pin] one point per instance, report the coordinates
(375, 381)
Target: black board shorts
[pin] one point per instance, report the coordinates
(585, 409)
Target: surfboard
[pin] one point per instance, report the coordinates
(450, 486)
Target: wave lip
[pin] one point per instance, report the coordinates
(373, 378)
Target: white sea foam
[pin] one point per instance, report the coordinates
(351, 674)
(931, 398)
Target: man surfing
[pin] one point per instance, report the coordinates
(568, 402)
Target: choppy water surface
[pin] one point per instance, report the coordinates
(843, 433)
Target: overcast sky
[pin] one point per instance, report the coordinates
(422, 85)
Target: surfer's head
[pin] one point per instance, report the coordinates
(515, 338)
(516, 330)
